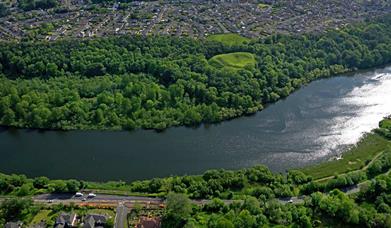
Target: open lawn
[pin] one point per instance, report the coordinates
(43, 215)
(263, 6)
(107, 212)
(356, 158)
(228, 39)
(235, 60)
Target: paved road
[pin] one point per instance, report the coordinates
(99, 198)
(121, 216)
(131, 200)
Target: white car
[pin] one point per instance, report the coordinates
(91, 195)
(79, 194)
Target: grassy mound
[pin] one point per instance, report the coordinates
(235, 60)
(263, 6)
(228, 39)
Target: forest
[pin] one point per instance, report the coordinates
(126, 82)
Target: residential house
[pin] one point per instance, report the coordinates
(65, 220)
(94, 221)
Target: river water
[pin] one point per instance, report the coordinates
(313, 124)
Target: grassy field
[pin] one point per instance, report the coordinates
(43, 215)
(109, 213)
(228, 39)
(356, 158)
(263, 6)
(235, 60)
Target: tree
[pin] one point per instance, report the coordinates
(72, 186)
(297, 177)
(178, 209)
(40, 182)
(3, 10)
(245, 219)
(15, 208)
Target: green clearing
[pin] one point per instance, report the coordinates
(106, 212)
(235, 60)
(356, 158)
(228, 39)
(263, 6)
(43, 215)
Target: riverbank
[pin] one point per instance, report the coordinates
(361, 158)
(217, 192)
(358, 157)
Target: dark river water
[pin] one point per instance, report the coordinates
(314, 124)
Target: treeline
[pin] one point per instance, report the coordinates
(251, 197)
(157, 82)
(319, 210)
(20, 185)
(385, 128)
(257, 181)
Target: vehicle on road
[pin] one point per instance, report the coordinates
(83, 199)
(290, 201)
(91, 195)
(79, 194)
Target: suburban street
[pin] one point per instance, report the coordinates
(121, 216)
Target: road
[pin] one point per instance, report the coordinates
(121, 216)
(129, 201)
(99, 199)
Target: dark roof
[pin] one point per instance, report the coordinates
(89, 222)
(64, 220)
(94, 220)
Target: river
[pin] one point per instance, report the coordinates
(313, 124)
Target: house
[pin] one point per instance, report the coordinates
(145, 222)
(94, 221)
(13, 224)
(65, 220)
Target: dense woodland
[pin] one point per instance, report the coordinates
(157, 82)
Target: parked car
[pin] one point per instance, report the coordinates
(79, 194)
(91, 195)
